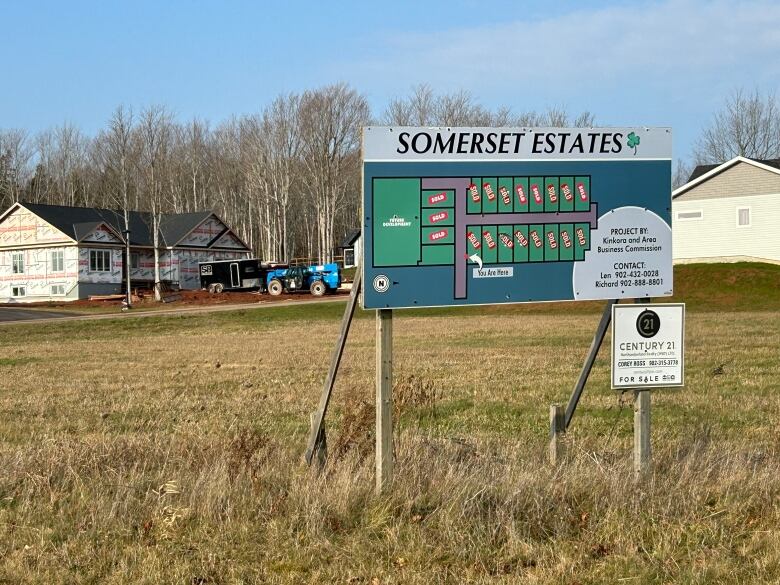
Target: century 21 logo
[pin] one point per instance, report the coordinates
(648, 323)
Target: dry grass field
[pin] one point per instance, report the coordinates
(168, 450)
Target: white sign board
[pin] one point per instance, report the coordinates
(648, 345)
(404, 143)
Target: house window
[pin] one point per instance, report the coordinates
(743, 217)
(18, 291)
(58, 290)
(17, 261)
(100, 260)
(689, 215)
(57, 261)
(135, 260)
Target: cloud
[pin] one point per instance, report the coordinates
(663, 63)
(674, 44)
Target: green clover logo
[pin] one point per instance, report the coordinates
(633, 141)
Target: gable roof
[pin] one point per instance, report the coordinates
(77, 222)
(703, 169)
(704, 172)
(82, 230)
(174, 226)
(350, 238)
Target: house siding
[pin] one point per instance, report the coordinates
(716, 236)
(21, 228)
(38, 277)
(178, 266)
(740, 180)
(102, 283)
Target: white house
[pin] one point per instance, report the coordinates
(351, 249)
(55, 252)
(728, 213)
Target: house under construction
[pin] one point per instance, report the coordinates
(54, 252)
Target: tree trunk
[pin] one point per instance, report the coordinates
(157, 281)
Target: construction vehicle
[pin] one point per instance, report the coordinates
(318, 279)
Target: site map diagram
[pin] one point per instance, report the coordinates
(481, 221)
(443, 233)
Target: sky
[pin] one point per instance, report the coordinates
(668, 63)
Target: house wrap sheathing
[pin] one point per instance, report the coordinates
(54, 252)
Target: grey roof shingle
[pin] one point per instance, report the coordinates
(350, 238)
(77, 222)
(704, 169)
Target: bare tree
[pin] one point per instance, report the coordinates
(15, 156)
(120, 155)
(331, 122)
(424, 108)
(279, 147)
(286, 179)
(229, 194)
(419, 109)
(251, 157)
(747, 125)
(67, 160)
(191, 169)
(154, 134)
(585, 120)
(680, 174)
(557, 117)
(121, 158)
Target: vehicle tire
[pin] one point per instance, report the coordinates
(318, 288)
(275, 287)
(216, 288)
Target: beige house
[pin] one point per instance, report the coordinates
(728, 213)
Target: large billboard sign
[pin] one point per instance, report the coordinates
(465, 216)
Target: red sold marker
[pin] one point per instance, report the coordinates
(438, 235)
(537, 194)
(438, 198)
(566, 190)
(537, 240)
(566, 239)
(551, 193)
(474, 190)
(505, 197)
(491, 243)
(507, 241)
(551, 239)
(521, 194)
(521, 238)
(581, 236)
(473, 239)
(583, 193)
(440, 216)
(489, 191)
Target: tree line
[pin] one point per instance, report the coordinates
(286, 178)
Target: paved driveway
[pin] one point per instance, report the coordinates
(16, 314)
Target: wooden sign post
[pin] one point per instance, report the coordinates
(643, 455)
(647, 352)
(557, 448)
(384, 399)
